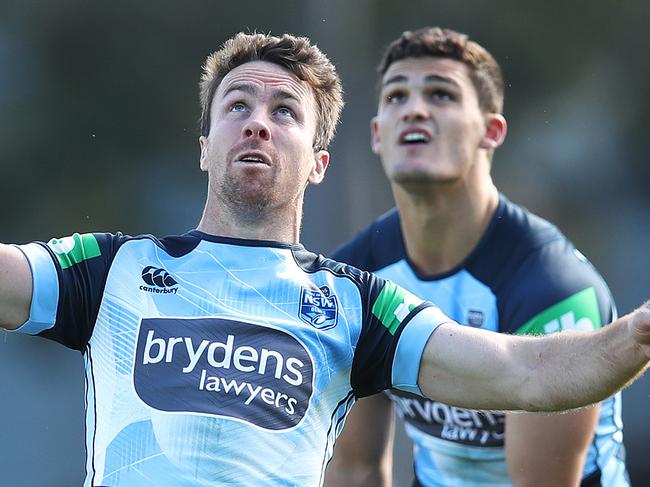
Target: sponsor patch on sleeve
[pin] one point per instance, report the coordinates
(578, 312)
(393, 305)
(74, 249)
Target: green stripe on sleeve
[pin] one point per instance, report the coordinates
(74, 249)
(393, 305)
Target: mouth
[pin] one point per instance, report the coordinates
(415, 136)
(253, 157)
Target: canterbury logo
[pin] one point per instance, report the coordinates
(158, 277)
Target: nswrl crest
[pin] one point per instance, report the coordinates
(318, 308)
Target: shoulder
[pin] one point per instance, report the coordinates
(513, 237)
(172, 245)
(366, 283)
(310, 263)
(376, 246)
(540, 268)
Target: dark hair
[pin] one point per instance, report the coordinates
(295, 54)
(484, 71)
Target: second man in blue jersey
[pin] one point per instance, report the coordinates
(487, 262)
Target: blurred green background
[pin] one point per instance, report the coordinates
(98, 132)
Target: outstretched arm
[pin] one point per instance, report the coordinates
(15, 287)
(363, 456)
(551, 373)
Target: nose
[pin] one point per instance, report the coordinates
(416, 110)
(256, 128)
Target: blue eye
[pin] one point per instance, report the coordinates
(238, 107)
(442, 95)
(285, 112)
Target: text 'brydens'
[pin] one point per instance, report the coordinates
(223, 367)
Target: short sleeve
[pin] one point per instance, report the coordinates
(396, 328)
(68, 277)
(557, 289)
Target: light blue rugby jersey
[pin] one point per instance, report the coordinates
(524, 276)
(219, 362)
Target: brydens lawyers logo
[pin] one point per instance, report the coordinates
(159, 281)
(319, 307)
(464, 426)
(226, 368)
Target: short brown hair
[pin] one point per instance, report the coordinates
(485, 72)
(295, 54)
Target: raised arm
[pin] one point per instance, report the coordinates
(363, 456)
(15, 287)
(551, 373)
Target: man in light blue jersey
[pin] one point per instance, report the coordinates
(488, 263)
(231, 355)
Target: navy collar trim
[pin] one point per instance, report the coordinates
(244, 242)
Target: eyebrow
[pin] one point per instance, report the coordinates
(252, 90)
(431, 78)
(245, 87)
(285, 95)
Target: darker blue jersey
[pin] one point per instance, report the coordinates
(523, 277)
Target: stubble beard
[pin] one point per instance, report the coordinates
(248, 200)
(248, 194)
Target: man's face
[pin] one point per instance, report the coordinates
(259, 152)
(429, 127)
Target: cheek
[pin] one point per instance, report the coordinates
(213, 151)
(463, 132)
(225, 128)
(215, 156)
(383, 135)
(384, 131)
(299, 142)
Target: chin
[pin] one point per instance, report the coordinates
(250, 198)
(421, 176)
(250, 194)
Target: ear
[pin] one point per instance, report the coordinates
(203, 144)
(322, 160)
(375, 141)
(496, 129)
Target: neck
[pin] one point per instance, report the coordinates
(443, 223)
(276, 224)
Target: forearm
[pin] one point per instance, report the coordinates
(571, 370)
(373, 476)
(550, 373)
(363, 456)
(549, 449)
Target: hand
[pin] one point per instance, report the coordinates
(639, 327)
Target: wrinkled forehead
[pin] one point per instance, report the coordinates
(264, 79)
(427, 70)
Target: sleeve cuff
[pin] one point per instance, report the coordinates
(45, 290)
(412, 341)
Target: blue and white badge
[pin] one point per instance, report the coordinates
(318, 308)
